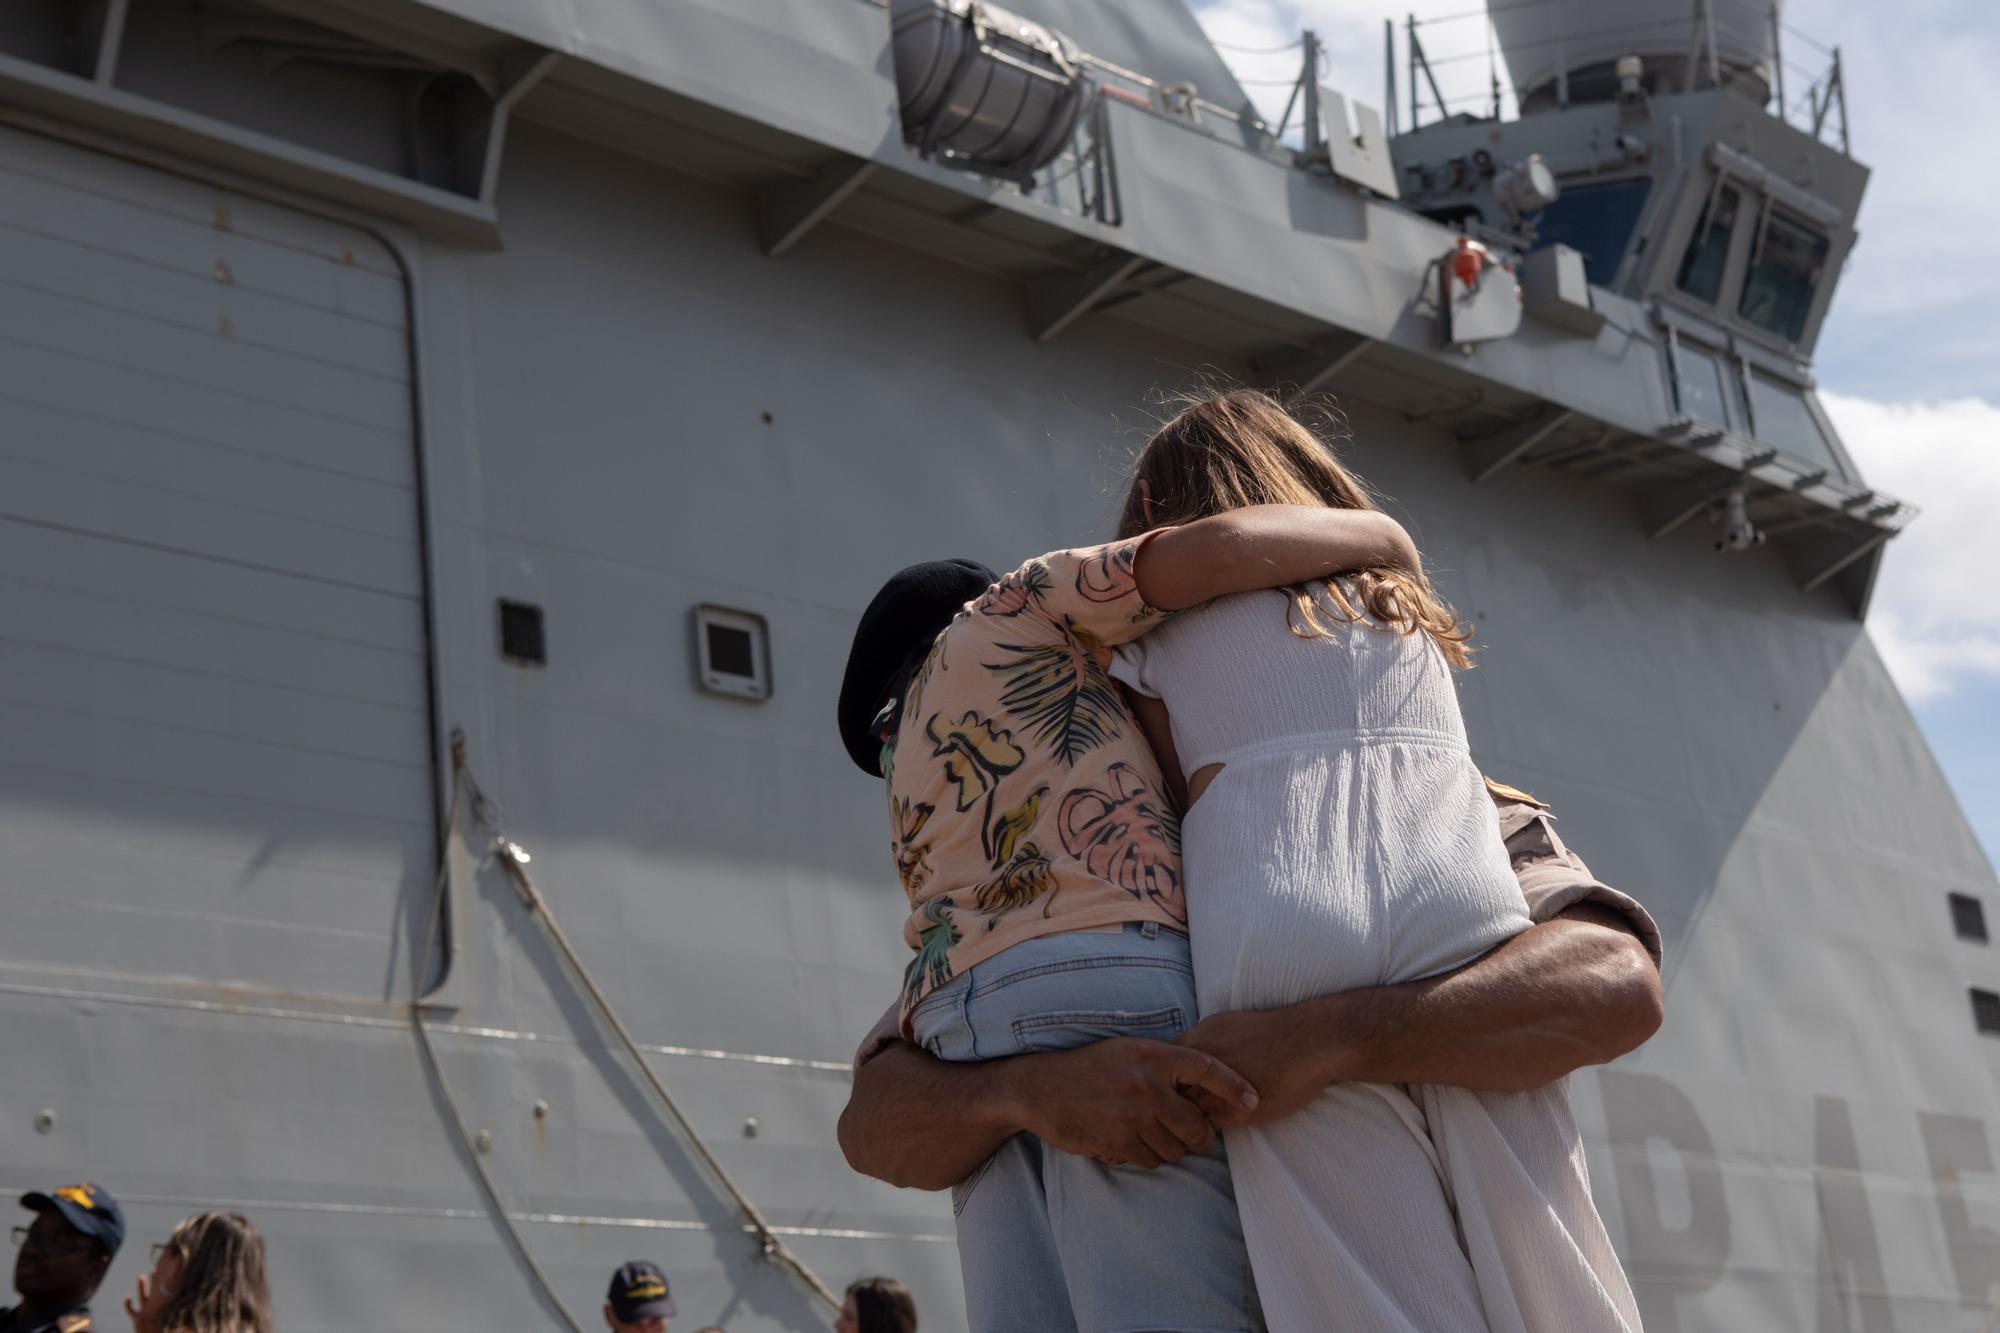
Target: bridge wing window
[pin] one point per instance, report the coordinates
(1598, 220)
(1784, 273)
(1707, 252)
(1704, 387)
(1783, 421)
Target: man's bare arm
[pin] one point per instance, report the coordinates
(923, 1123)
(1266, 546)
(1576, 990)
(915, 1121)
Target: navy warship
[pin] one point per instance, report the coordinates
(445, 446)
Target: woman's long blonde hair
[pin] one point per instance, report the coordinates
(222, 1287)
(1229, 449)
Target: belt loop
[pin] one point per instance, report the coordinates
(1149, 930)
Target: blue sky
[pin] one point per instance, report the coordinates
(1909, 361)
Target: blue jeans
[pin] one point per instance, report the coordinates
(1051, 1242)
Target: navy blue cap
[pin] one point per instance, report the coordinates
(911, 609)
(88, 1208)
(639, 1291)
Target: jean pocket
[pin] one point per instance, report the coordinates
(1071, 1028)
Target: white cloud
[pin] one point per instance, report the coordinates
(1934, 615)
(1917, 75)
(1912, 319)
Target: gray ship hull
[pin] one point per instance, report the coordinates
(271, 451)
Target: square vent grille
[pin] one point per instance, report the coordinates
(1985, 1010)
(1968, 917)
(521, 636)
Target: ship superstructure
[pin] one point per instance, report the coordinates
(385, 381)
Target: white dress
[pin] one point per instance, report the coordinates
(1348, 842)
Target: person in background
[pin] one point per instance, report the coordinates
(877, 1305)
(208, 1277)
(63, 1256)
(638, 1301)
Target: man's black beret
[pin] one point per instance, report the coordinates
(904, 618)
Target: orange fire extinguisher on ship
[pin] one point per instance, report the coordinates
(1468, 261)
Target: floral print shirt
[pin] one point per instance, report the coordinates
(1022, 799)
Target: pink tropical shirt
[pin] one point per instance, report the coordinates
(1022, 799)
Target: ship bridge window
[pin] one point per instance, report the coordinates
(1597, 219)
(1782, 419)
(1704, 385)
(1785, 269)
(1985, 1010)
(1707, 251)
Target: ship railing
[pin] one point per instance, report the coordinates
(1082, 179)
(1079, 180)
(1450, 65)
(1179, 101)
(1823, 104)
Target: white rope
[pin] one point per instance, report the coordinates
(514, 858)
(472, 1153)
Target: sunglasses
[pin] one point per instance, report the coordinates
(28, 1238)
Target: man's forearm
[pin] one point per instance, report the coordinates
(918, 1122)
(1266, 546)
(1575, 991)
(1578, 990)
(923, 1123)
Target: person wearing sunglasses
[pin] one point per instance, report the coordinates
(208, 1277)
(61, 1258)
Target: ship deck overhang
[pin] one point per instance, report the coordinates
(1297, 278)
